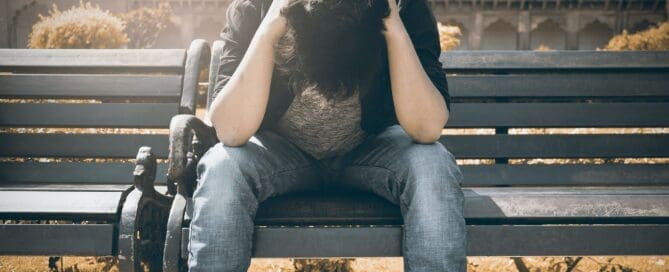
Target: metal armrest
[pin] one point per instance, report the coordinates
(190, 138)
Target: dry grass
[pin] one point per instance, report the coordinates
(475, 264)
(83, 26)
(449, 36)
(654, 38)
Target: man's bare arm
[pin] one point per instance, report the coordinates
(237, 111)
(420, 108)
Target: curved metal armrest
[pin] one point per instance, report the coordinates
(198, 57)
(190, 138)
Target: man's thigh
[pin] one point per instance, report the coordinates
(383, 163)
(268, 163)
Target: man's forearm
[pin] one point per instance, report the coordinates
(238, 109)
(420, 108)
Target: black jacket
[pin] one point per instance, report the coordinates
(378, 111)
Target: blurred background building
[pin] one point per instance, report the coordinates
(484, 24)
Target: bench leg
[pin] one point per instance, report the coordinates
(143, 220)
(172, 261)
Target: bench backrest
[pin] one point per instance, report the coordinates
(79, 116)
(523, 98)
(510, 104)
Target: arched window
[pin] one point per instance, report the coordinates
(500, 35)
(549, 34)
(640, 26)
(594, 35)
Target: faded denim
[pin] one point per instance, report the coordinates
(422, 179)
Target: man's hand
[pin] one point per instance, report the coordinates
(274, 24)
(393, 22)
(237, 111)
(420, 108)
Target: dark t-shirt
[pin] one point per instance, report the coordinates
(377, 108)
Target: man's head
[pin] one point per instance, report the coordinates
(333, 45)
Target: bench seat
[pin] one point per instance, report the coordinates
(71, 122)
(547, 169)
(601, 205)
(567, 218)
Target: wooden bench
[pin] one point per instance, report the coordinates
(591, 204)
(78, 174)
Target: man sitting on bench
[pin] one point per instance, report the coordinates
(305, 102)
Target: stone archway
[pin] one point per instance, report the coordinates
(594, 35)
(550, 34)
(23, 18)
(640, 26)
(500, 35)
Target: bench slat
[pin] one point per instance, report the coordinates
(72, 172)
(128, 115)
(75, 205)
(557, 146)
(385, 241)
(566, 205)
(581, 85)
(477, 115)
(59, 240)
(470, 60)
(562, 175)
(66, 186)
(80, 145)
(83, 58)
(80, 86)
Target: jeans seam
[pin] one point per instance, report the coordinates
(275, 173)
(393, 176)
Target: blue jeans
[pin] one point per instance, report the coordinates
(422, 179)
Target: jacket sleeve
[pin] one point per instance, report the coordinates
(421, 25)
(242, 20)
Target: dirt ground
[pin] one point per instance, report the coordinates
(475, 264)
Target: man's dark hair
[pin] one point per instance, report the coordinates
(335, 46)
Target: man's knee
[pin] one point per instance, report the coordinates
(431, 171)
(226, 169)
(431, 160)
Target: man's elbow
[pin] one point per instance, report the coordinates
(429, 133)
(231, 140)
(230, 137)
(426, 134)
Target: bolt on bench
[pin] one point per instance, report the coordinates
(83, 177)
(517, 202)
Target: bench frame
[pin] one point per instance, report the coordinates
(139, 226)
(643, 235)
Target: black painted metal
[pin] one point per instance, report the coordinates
(84, 205)
(519, 115)
(86, 59)
(137, 89)
(483, 240)
(534, 60)
(18, 173)
(566, 175)
(123, 115)
(511, 209)
(576, 85)
(80, 145)
(55, 239)
(90, 86)
(510, 204)
(143, 223)
(172, 261)
(558, 146)
(198, 59)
